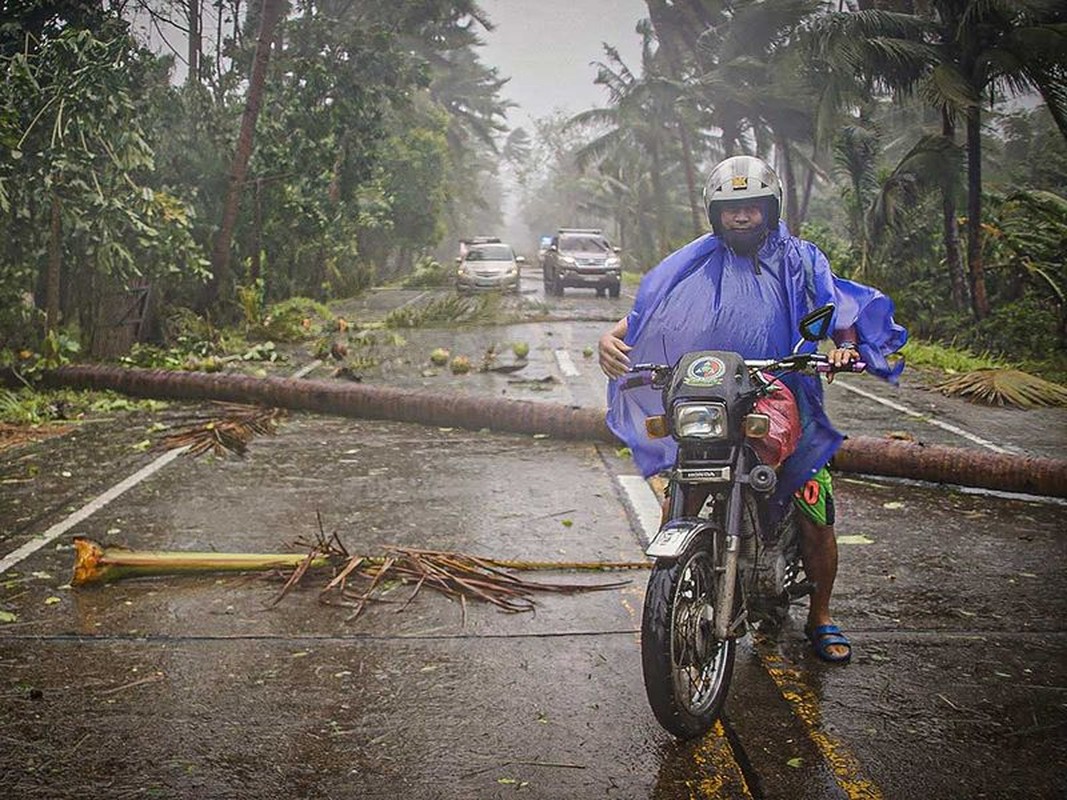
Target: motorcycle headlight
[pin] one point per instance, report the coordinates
(700, 420)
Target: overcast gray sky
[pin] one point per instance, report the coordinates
(546, 47)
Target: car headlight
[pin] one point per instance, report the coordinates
(700, 420)
(612, 263)
(568, 260)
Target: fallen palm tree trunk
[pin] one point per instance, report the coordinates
(963, 467)
(95, 563)
(966, 467)
(345, 399)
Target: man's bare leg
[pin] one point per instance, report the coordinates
(818, 548)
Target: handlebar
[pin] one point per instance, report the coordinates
(655, 374)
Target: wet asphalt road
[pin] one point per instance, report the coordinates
(194, 686)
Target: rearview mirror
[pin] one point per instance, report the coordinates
(816, 326)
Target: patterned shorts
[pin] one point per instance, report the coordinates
(816, 498)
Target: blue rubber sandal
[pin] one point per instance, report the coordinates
(826, 636)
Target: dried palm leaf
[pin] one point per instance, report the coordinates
(229, 430)
(1005, 387)
(364, 579)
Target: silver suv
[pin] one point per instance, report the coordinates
(581, 257)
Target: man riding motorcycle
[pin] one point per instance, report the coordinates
(744, 288)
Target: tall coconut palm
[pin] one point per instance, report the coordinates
(634, 122)
(958, 54)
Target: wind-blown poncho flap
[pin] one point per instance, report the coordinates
(684, 304)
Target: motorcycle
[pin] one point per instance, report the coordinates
(721, 563)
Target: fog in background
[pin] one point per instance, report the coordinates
(548, 48)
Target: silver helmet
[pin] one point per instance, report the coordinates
(743, 178)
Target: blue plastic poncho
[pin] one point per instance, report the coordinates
(705, 297)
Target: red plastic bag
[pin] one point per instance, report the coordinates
(779, 444)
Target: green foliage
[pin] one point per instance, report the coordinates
(428, 272)
(295, 319)
(79, 165)
(837, 250)
(33, 407)
(944, 358)
(443, 311)
(250, 298)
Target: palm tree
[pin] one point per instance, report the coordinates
(633, 123)
(957, 54)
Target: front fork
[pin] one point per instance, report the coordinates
(668, 544)
(725, 623)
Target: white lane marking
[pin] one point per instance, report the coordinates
(566, 364)
(83, 513)
(90, 508)
(644, 503)
(926, 418)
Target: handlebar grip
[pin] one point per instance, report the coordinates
(634, 381)
(853, 366)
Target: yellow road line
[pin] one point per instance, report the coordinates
(717, 773)
(845, 766)
(721, 775)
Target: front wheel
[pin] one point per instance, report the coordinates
(687, 670)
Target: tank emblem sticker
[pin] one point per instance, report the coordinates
(706, 371)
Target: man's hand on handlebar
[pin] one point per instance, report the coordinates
(839, 358)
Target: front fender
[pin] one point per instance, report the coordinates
(675, 536)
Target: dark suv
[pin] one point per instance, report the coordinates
(581, 257)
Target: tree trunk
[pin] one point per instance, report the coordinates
(809, 184)
(220, 257)
(195, 40)
(862, 454)
(792, 205)
(951, 226)
(660, 200)
(55, 250)
(979, 300)
(255, 267)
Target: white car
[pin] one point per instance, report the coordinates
(488, 267)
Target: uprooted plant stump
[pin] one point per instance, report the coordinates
(358, 579)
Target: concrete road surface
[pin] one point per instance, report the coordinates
(198, 687)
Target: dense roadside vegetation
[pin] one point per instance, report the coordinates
(922, 146)
(364, 142)
(309, 149)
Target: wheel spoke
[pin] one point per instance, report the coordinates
(697, 672)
